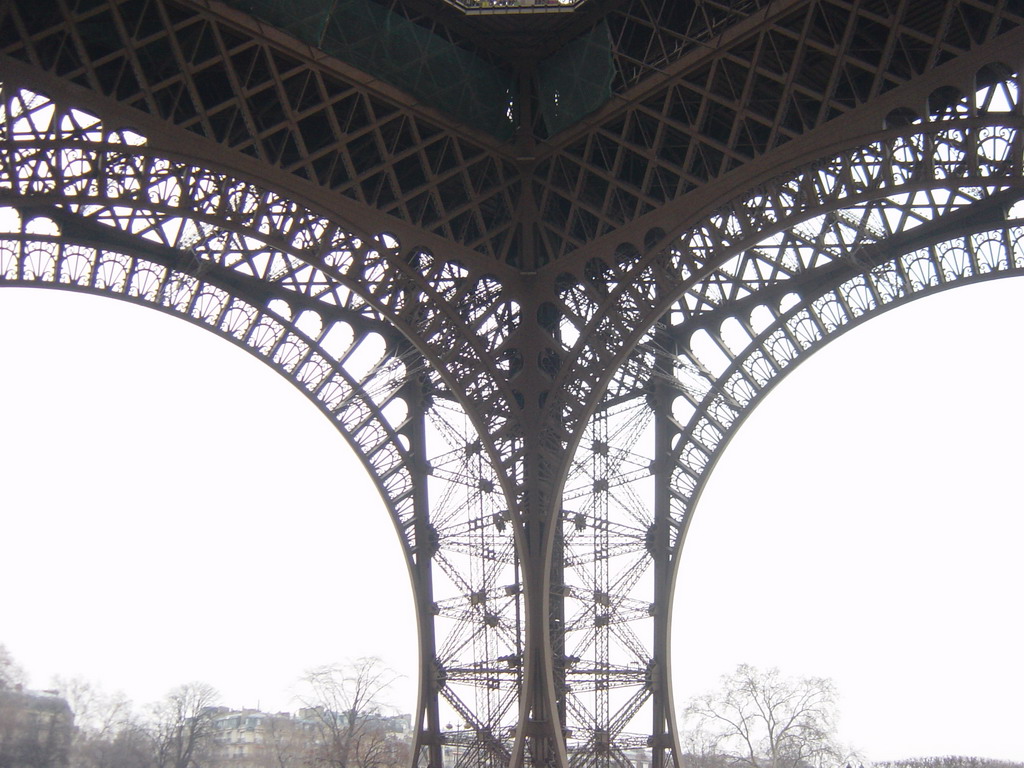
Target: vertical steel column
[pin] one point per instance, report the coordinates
(664, 741)
(539, 740)
(557, 618)
(536, 587)
(428, 718)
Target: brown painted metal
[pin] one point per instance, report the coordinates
(538, 346)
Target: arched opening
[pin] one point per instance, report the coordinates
(865, 525)
(175, 511)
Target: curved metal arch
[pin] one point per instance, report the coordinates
(812, 228)
(801, 325)
(801, 228)
(463, 512)
(637, 477)
(103, 214)
(354, 405)
(66, 161)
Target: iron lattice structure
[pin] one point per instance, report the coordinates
(536, 268)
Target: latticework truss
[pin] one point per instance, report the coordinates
(537, 293)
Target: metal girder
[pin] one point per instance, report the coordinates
(537, 345)
(700, 90)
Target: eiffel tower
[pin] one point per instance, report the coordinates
(536, 260)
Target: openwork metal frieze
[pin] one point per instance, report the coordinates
(799, 325)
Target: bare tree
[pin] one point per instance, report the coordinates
(183, 726)
(108, 732)
(288, 742)
(344, 705)
(95, 710)
(129, 744)
(759, 719)
(11, 674)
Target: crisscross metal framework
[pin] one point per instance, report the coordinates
(538, 346)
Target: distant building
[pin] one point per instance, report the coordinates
(35, 729)
(249, 738)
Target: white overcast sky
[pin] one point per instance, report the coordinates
(172, 510)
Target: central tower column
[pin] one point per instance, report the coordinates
(540, 736)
